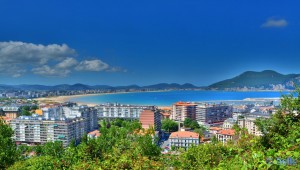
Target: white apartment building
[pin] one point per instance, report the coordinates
(248, 122)
(184, 139)
(38, 130)
(213, 113)
(225, 135)
(183, 110)
(229, 123)
(53, 126)
(116, 110)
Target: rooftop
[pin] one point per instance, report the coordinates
(95, 133)
(185, 104)
(229, 132)
(184, 134)
(215, 128)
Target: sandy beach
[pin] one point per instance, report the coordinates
(62, 99)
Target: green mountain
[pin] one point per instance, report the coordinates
(267, 79)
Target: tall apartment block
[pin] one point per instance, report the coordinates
(182, 110)
(248, 122)
(52, 126)
(88, 113)
(213, 113)
(116, 110)
(151, 118)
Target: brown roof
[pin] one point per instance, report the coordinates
(185, 104)
(229, 132)
(166, 114)
(95, 133)
(184, 134)
(165, 108)
(215, 128)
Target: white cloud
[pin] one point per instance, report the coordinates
(16, 58)
(116, 69)
(92, 65)
(47, 71)
(277, 23)
(67, 63)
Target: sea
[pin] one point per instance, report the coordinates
(167, 98)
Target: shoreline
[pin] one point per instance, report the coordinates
(63, 99)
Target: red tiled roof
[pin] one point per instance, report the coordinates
(184, 134)
(215, 128)
(95, 133)
(185, 104)
(229, 132)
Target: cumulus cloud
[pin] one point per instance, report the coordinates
(277, 23)
(67, 63)
(92, 65)
(48, 71)
(17, 58)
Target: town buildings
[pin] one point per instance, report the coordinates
(116, 110)
(183, 110)
(213, 113)
(38, 130)
(151, 118)
(229, 123)
(248, 122)
(88, 113)
(11, 111)
(52, 126)
(184, 139)
(225, 135)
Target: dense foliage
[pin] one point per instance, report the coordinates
(8, 149)
(124, 145)
(169, 125)
(28, 110)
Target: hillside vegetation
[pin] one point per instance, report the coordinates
(263, 79)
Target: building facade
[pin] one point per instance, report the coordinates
(11, 112)
(225, 135)
(151, 118)
(116, 110)
(183, 110)
(229, 123)
(248, 122)
(38, 130)
(183, 139)
(88, 113)
(56, 124)
(213, 113)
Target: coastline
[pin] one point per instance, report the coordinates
(63, 99)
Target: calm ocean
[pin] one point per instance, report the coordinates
(167, 98)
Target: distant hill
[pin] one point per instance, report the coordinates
(67, 87)
(267, 79)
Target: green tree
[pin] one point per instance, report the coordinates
(187, 122)
(190, 123)
(8, 149)
(194, 125)
(169, 125)
(54, 149)
(201, 131)
(25, 112)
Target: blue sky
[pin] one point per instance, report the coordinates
(145, 42)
